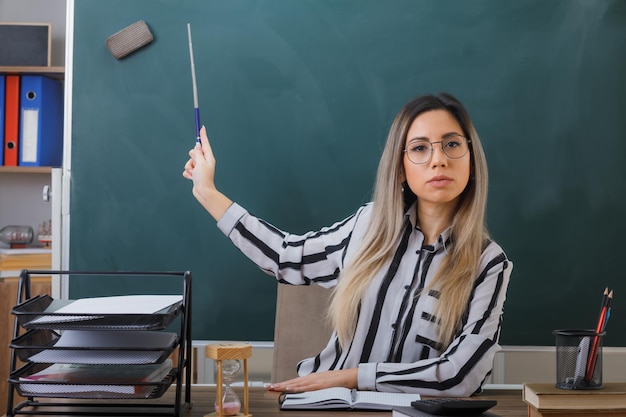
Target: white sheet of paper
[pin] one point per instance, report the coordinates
(125, 304)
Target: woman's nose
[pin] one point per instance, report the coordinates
(438, 157)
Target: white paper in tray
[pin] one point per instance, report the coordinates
(92, 308)
(96, 347)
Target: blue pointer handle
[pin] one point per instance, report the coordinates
(197, 110)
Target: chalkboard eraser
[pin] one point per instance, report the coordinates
(129, 39)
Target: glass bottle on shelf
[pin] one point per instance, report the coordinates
(16, 236)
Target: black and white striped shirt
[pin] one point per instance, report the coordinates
(395, 346)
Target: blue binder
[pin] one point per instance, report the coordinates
(2, 98)
(41, 121)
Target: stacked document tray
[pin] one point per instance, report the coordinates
(96, 333)
(42, 312)
(94, 347)
(112, 347)
(93, 381)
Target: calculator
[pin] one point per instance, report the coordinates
(453, 406)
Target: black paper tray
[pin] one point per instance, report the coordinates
(44, 346)
(33, 342)
(56, 389)
(30, 314)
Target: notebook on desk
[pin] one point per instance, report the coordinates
(339, 398)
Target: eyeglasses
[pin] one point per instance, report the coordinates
(420, 151)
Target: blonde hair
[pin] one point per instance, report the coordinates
(456, 276)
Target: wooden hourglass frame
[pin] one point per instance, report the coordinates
(230, 351)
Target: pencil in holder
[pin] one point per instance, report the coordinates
(578, 359)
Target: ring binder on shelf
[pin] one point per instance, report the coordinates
(41, 121)
(2, 99)
(11, 119)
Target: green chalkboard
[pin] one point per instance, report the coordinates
(298, 96)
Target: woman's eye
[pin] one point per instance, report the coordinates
(419, 147)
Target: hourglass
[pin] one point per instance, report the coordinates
(230, 401)
(228, 357)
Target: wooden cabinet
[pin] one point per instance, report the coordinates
(8, 299)
(22, 203)
(21, 186)
(26, 191)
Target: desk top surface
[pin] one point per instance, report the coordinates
(263, 403)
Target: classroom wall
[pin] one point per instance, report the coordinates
(21, 201)
(20, 195)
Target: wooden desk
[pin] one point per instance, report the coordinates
(264, 403)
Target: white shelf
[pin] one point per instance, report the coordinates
(26, 170)
(9, 274)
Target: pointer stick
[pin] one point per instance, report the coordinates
(195, 86)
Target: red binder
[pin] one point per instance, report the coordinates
(2, 98)
(11, 119)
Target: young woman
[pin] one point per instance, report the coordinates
(419, 286)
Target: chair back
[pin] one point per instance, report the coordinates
(301, 328)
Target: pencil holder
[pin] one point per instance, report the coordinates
(578, 359)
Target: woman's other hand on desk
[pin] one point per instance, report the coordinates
(200, 168)
(318, 380)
